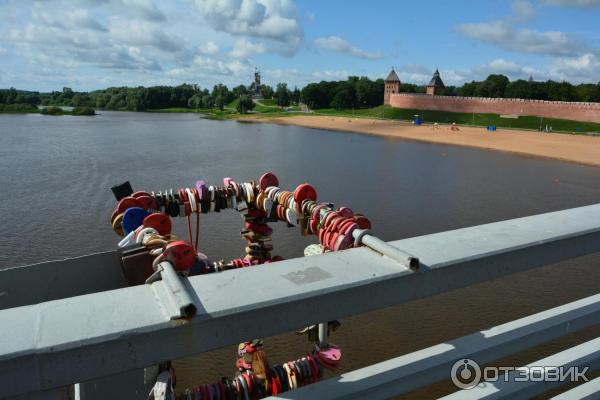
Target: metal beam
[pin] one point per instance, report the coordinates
(62, 278)
(75, 339)
(584, 355)
(411, 371)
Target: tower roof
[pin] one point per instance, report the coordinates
(392, 77)
(436, 80)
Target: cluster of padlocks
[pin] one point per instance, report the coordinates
(143, 220)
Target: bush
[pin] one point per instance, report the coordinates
(83, 111)
(244, 104)
(52, 111)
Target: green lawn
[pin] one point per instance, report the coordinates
(525, 122)
(269, 102)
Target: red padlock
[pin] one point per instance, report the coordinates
(268, 179)
(160, 222)
(181, 254)
(147, 202)
(125, 203)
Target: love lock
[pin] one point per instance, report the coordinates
(181, 254)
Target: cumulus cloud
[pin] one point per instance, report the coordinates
(209, 47)
(339, 45)
(505, 35)
(144, 9)
(576, 69)
(53, 38)
(73, 19)
(142, 33)
(244, 48)
(522, 10)
(274, 22)
(574, 3)
(509, 68)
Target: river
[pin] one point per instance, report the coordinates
(55, 202)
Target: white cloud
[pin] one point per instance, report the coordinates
(509, 68)
(209, 47)
(574, 3)
(522, 10)
(145, 9)
(337, 44)
(142, 33)
(72, 19)
(329, 75)
(2, 50)
(274, 22)
(576, 69)
(244, 48)
(505, 35)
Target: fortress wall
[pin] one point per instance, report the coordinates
(551, 109)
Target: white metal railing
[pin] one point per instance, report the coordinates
(57, 343)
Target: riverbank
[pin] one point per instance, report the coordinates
(574, 148)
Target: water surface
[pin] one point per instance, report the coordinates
(55, 202)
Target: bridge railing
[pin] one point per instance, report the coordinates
(56, 343)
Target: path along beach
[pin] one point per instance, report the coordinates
(567, 147)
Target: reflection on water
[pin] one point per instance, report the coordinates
(55, 202)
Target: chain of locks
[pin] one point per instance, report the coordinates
(143, 220)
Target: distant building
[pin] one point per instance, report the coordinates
(436, 85)
(392, 86)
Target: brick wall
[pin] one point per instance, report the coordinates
(551, 109)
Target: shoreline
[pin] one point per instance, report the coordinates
(580, 149)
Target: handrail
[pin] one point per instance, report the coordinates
(75, 339)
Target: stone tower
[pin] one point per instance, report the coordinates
(436, 85)
(392, 85)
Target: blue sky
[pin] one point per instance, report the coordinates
(90, 44)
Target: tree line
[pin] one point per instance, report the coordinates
(355, 92)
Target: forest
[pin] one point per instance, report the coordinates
(355, 92)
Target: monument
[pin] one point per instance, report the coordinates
(257, 86)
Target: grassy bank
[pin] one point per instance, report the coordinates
(18, 109)
(29, 109)
(266, 109)
(444, 117)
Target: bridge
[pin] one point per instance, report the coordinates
(73, 329)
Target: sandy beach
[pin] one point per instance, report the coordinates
(574, 148)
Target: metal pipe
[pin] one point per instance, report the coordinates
(323, 331)
(361, 236)
(176, 291)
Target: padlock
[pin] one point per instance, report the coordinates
(181, 254)
(160, 222)
(133, 218)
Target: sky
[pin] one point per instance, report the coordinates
(94, 44)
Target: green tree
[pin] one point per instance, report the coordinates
(67, 93)
(195, 101)
(239, 91)
(267, 91)
(296, 95)
(342, 99)
(282, 95)
(207, 102)
(244, 104)
(220, 102)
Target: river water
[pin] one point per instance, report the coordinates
(55, 202)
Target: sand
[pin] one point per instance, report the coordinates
(574, 148)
